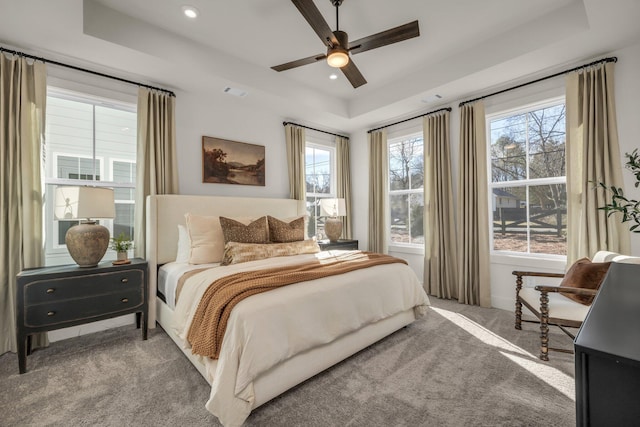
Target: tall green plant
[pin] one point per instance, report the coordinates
(629, 208)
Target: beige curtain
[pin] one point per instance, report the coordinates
(156, 161)
(474, 286)
(592, 155)
(378, 191)
(440, 263)
(343, 179)
(23, 91)
(296, 142)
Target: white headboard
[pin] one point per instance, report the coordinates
(165, 212)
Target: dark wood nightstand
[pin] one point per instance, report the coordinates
(57, 297)
(342, 244)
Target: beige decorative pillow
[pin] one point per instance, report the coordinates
(283, 231)
(235, 231)
(206, 238)
(184, 244)
(235, 253)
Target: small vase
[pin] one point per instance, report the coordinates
(122, 256)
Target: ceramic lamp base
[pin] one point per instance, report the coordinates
(87, 243)
(333, 228)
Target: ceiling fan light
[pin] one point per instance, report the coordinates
(337, 58)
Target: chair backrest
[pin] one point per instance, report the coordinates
(604, 256)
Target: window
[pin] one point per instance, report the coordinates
(528, 188)
(406, 190)
(320, 169)
(89, 141)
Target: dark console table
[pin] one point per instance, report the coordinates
(607, 353)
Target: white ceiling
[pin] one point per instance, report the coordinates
(466, 47)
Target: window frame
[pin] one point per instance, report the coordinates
(416, 248)
(527, 182)
(53, 251)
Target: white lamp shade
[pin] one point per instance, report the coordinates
(332, 207)
(73, 203)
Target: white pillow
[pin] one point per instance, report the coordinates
(184, 244)
(207, 240)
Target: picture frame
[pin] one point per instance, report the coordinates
(232, 162)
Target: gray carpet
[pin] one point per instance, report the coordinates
(458, 366)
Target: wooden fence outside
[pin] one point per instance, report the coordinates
(514, 220)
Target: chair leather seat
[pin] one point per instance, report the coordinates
(560, 307)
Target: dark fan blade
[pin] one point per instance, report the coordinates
(394, 35)
(299, 62)
(352, 74)
(313, 16)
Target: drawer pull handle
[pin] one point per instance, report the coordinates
(124, 280)
(51, 290)
(51, 313)
(125, 300)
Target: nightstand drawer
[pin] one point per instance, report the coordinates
(57, 312)
(56, 289)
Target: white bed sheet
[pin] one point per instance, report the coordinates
(170, 273)
(260, 333)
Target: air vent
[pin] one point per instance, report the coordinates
(431, 98)
(236, 92)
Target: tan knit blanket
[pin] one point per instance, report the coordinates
(210, 320)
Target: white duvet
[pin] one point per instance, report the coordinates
(268, 328)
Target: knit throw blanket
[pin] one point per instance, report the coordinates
(210, 320)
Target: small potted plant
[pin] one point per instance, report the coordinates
(121, 245)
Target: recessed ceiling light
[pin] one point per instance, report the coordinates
(333, 76)
(190, 12)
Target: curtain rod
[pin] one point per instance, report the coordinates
(411, 118)
(611, 59)
(317, 130)
(73, 67)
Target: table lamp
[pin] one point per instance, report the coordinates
(332, 209)
(87, 241)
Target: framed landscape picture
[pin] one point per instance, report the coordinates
(231, 162)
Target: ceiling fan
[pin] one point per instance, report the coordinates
(337, 42)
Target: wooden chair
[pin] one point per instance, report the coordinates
(552, 308)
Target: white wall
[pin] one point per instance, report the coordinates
(627, 95)
(228, 117)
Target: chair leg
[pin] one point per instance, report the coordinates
(544, 326)
(518, 303)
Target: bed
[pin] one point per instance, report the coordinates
(246, 376)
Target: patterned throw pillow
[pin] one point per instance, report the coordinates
(255, 232)
(235, 253)
(282, 232)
